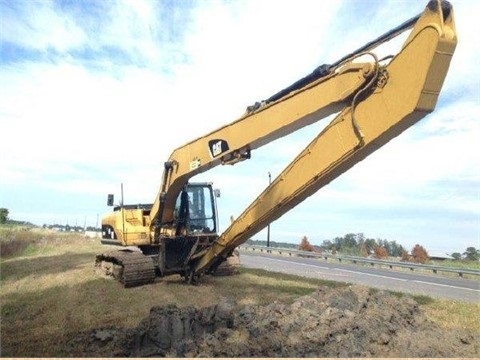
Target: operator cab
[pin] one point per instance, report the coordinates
(196, 209)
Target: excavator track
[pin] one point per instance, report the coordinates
(131, 268)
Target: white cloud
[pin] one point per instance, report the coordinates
(442, 146)
(89, 118)
(38, 26)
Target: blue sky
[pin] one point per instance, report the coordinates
(93, 94)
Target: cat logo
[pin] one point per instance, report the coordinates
(217, 147)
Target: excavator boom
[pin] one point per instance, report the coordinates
(397, 96)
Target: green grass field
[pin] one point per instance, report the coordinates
(50, 292)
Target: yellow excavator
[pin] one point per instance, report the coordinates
(375, 100)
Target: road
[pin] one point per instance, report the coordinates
(434, 286)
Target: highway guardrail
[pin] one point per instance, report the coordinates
(360, 260)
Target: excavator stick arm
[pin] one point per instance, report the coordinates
(406, 90)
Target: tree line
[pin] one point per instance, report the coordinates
(349, 244)
(4, 219)
(70, 228)
(359, 245)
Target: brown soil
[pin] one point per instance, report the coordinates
(347, 322)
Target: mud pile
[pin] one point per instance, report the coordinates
(347, 322)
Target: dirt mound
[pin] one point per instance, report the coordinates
(348, 322)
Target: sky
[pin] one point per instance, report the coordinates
(98, 93)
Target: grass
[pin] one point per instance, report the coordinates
(448, 314)
(457, 264)
(451, 314)
(49, 292)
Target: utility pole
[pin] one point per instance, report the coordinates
(268, 226)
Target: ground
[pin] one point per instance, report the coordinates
(53, 304)
(353, 321)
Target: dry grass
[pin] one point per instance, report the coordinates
(451, 314)
(50, 292)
